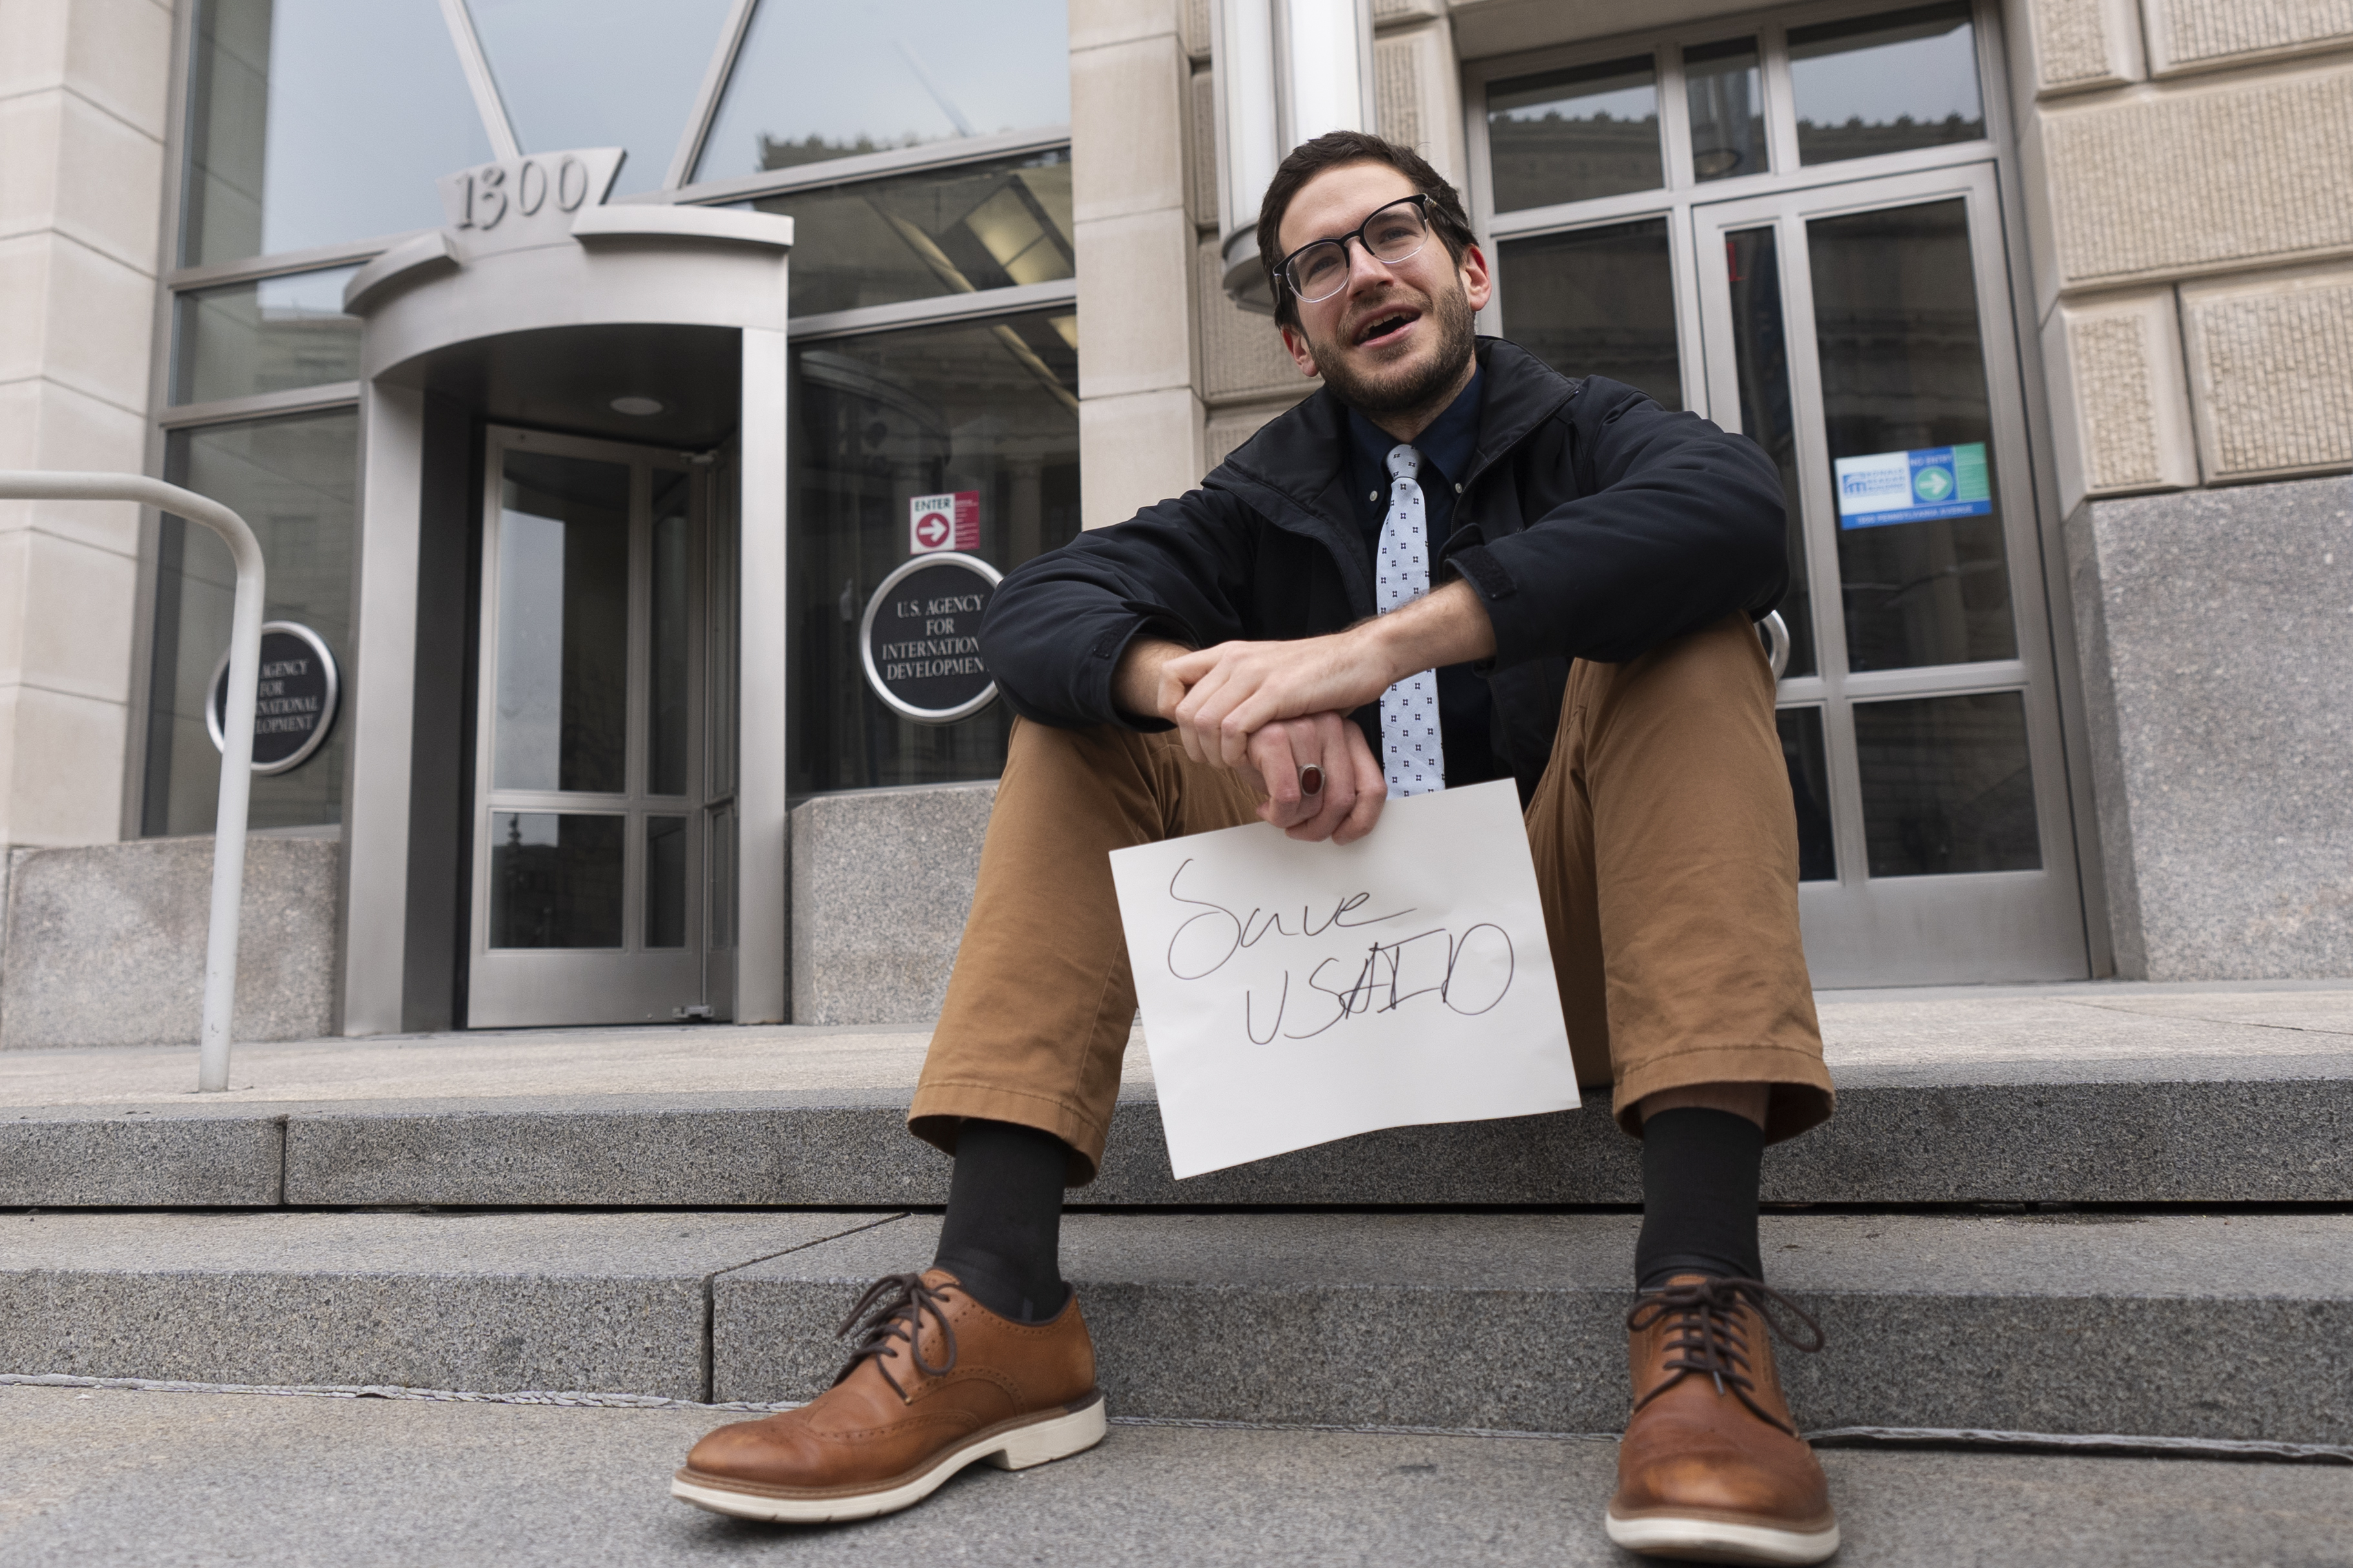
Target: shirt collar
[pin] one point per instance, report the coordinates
(1448, 444)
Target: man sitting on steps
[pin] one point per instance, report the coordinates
(1448, 565)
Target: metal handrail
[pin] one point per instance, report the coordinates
(237, 740)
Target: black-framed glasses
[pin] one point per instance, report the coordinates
(1393, 234)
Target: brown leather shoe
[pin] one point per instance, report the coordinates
(938, 1382)
(1712, 1468)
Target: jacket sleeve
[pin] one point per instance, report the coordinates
(1057, 625)
(1676, 524)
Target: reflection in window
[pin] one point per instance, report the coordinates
(555, 879)
(244, 338)
(1760, 355)
(877, 421)
(1946, 787)
(1722, 86)
(601, 73)
(317, 121)
(1570, 135)
(294, 480)
(977, 226)
(820, 81)
(1886, 83)
(666, 864)
(1924, 579)
(562, 720)
(1810, 791)
(670, 629)
(1597, 301)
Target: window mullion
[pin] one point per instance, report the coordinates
(1674, 116)
(1780, 97)
(477, 65)
(706, 101)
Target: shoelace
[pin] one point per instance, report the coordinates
(891, 1312)
(1704, 1335)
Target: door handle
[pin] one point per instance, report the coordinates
(1775, 631)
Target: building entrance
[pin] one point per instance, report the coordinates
(600, 804)
(1861, 333)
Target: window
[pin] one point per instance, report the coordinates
(294, 479)
(991, 224)
(877, 421)
(314, 123)
(245, 340)
(817, 81)
(601, 73)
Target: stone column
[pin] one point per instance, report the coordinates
(83, 89)
(1139, 418)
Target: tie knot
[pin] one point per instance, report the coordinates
(1405, 461)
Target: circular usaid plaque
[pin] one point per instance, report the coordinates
(294, 703)
(920, 638)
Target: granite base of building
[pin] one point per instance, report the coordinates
(2217, 644)
(105, 945)
(881, 881)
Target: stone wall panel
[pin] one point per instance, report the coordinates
(2189, 34)
(2270, 365)
(1242, 357)
(106, 944)
(882, 882)
(2197, 181)
(2121, 401)
(1229, 427)
(1201, 136)
(2084, 43)
(2220, 756)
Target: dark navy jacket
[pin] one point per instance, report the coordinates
(1592, 524)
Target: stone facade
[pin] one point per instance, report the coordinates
(2187, 259)
(2196, 323)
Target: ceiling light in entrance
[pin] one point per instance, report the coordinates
(641, 407)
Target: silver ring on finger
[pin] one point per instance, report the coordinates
(1311, 780)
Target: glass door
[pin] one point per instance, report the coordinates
(591, 821)
(1861, 333)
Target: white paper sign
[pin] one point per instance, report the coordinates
(1297, 992)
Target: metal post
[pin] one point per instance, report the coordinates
(236, 728)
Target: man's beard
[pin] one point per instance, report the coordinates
(1449, 312)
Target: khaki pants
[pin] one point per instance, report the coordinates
(1665, 849)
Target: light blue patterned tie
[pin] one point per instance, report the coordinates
(1415, 758)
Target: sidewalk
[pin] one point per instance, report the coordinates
(108, 1477)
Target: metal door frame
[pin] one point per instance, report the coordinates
(515, 987)
(1978, 926)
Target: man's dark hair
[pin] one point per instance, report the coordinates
(1333, 149)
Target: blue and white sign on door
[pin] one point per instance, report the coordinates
(1919, 486)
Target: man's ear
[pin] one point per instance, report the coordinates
(1302, 355)
(1476, 283)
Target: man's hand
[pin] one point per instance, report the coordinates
(1268, 709)
(1235, 690)
(1349, 801)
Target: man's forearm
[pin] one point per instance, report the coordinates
(1135, 684)
(1448, 626)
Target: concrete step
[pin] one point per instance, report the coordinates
(2272, 1133)
(2083, 1094)
(2191, 1326)
(100, 1477)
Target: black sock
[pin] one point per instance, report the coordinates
(1699, 1196)
(1003, 1236)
